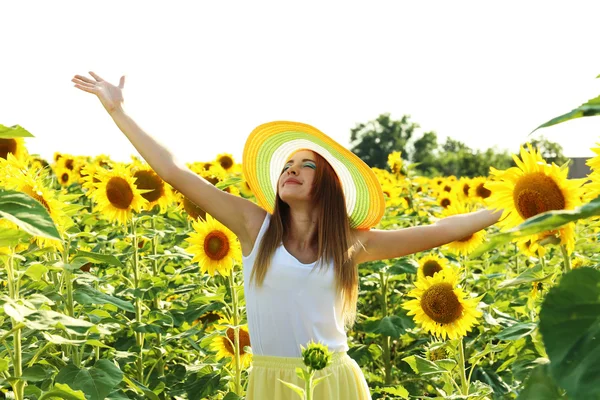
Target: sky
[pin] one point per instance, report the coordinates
(200, 76)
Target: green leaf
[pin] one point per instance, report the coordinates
(27, 213)
(12, 237)
(589, 109)
(517, 331)
(234, 180)
(89, 295)
(422, 366)
(543, 222)
(232, 396)
(534, 274)
(393, 326)
(97, 258)
(15, 131)
(397, 390)
(404, 266)
(36, 271)
(96, 382)
(63, 391)
(203, 386)
(540, 385)
(34, 374)
(570, 328)
(299, 391)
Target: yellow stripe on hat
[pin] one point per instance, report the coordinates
(270, 145)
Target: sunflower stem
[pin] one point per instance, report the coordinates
(387, 363)
(567, 258)
(308, 386)
(139, 336)
(18, 384)
(236, 340)
(463, 375)
(155, 272)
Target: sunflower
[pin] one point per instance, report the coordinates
(214, 246)
(534, 187)
(440, 307)
(64, 176)
(594, 162)
(14, 146)
(188, 206)
(245, 189)
(116, 195)
(463, 186)
(466, 245)
(395, 162)
(446, 199)
(430, 265)
(225, 160)
(478, 190)
(159, 191)
(223, 344)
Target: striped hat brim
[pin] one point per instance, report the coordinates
(270, 145)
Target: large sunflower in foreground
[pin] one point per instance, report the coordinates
(430, 265)
(466, 245)
(224, 345)
(215, 247)
(534, 187)
(14, 146)
(440, 307)
(116, 195)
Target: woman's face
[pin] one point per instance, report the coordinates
(296, 180)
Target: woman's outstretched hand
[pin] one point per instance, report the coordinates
(110, 96)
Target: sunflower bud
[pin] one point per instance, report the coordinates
(316, 356)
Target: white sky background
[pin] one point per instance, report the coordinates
(201, 75)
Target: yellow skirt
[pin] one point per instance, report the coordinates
(345, 381)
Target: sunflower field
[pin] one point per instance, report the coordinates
(116, 286)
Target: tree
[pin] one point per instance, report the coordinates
(424, 150)
(374, 141)
(552, 152)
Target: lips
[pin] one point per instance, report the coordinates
(291, 180)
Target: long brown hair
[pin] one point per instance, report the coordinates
(335, 239)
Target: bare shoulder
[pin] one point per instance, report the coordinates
(254, 220)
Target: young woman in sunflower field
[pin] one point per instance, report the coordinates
(301, 245)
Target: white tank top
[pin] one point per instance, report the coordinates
(295, 304)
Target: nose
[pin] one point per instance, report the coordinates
(292, 170)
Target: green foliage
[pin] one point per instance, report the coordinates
(8, 132)
(27, 213)
(588, 109)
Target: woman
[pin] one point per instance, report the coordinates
(301, 244)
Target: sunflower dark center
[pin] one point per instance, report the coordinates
(149, 180)
(243, 337)
(536, 193)
(36, 195)
(447, 188)
(431, 267)
(482, 191)
(64, 178)
(445, 202)
(213, 180)
(119, 193)
(216, 245)
(69, 164)
(7, 146)
(466, 189)
(192, 209)
(226, 162)
(441, 304)
(209, 317)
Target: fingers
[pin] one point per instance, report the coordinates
(83, 78)
(84, 82)
(96, 77)
(122, 82)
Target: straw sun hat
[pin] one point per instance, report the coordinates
(270, 145)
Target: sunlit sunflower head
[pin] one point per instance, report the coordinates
(226, 161)
(431, 264)
(214, 247)
(440, 307)
(187, 206)
(64, 176)
(14, 146)
(463, 187)
(594, 162)
(224, 346)
(466, 245)
(67, 161)
(207, 320)
(158, 191)
(446, 199)
(478, 190)
(35, 188)
(395, 163)
(534, 187)
(392, 194)
(116, 195)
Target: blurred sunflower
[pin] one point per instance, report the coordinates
(116, 195)
(446, 199)
(463, 186)
(64, 176)
(430, 265)
(395, 163)
(224, 346)
(184, 204)
(594, 162)
(215, 247)
(14, 146)
(478, 190)
(226, 162)
(440, 307)
(159, 192)
(534, 187)
(466, 245)
(245, 190)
